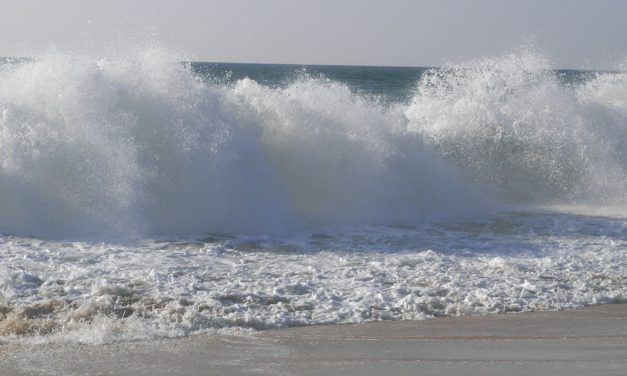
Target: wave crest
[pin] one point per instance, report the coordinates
(142, 147)
(512, 126)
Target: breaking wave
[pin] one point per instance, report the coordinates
(143, 146)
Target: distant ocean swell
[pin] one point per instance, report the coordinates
(142, 146)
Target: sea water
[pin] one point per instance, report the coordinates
(144, 197)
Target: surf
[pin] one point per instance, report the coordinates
(141, 146)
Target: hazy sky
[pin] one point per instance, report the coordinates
(572, 33)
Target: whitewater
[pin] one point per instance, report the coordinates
(141, 198)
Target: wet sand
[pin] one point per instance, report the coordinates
(591, 341)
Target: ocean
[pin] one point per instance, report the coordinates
(143, 197)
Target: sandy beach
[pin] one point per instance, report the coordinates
(590, 341)
(313, 188)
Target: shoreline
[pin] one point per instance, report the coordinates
(592, 340)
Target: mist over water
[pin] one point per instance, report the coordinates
(144, 146)
(142, 197)
(511, 125)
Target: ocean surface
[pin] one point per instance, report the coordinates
(142, 197)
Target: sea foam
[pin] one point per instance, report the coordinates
(139, 200)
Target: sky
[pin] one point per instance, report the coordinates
(589, 34)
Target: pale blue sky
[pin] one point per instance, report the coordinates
(572, 33)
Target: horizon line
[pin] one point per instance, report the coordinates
(607, 70)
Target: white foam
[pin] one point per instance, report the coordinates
(101, 292)
(375, 211)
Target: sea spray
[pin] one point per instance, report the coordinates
(126, 145)
(265, 206)
(509, 124)
(142, 146)
(344, 159)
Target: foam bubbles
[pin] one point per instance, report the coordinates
(102, 292)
